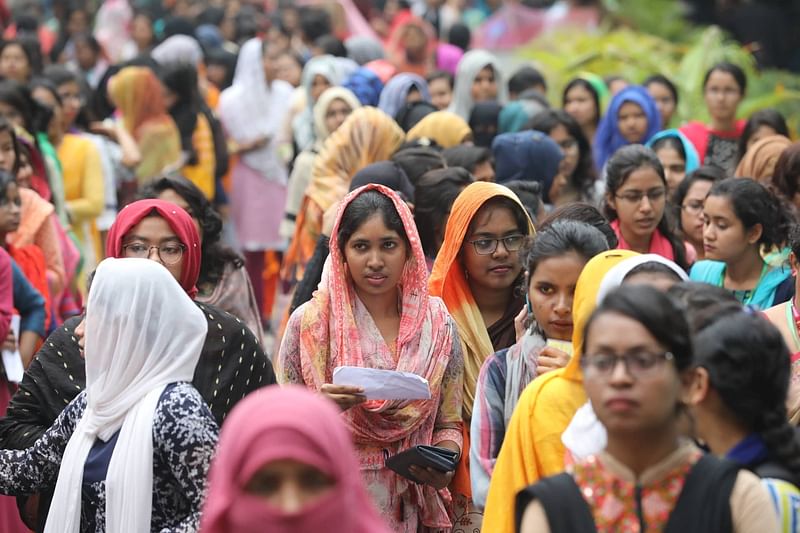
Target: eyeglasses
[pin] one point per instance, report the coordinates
(170, 253)
(512, 243)
(637, 364)
(636, 197)
(693, 208)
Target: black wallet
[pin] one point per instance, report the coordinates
(435, 457)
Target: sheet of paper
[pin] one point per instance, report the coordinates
(383, 384)
(12, 361)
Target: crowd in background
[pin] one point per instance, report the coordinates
(357, 184)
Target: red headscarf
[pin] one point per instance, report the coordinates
(279, 423)
(180, 222)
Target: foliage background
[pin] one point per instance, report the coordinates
(639, 38)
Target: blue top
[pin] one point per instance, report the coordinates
(763, 296)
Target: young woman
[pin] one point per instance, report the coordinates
(724, 88)
(223, 281)
(403, 89)
(582, 100)
(665, 94)
(252, 112)
(738, 401)
(552, 264)
(484, 121)
(632, 118)
(319, 74)
(478, 79)
(636, 191)
(138, 96)
(440, 85)
(638, 480)
(478, 161)
(742, 221)
(577, 165)
(133, 451)
(532, 445)
(760, 159)
(689, 198)
(677, 156)
(368, 135)
(331, 110)
(373, 310)
(286, 463)
(478, 274)
(531, 156)
(20, 59)
(762, 123)
(411, 44)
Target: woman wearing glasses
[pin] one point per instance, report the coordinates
(637, 373)
(636, 198)
(743, 221)
(688, 200)
(478, 274)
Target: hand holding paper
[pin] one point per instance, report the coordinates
(383, 384)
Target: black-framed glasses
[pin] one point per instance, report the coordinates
(170, 253)
(636, 197)
(487, 246)
(637, 364)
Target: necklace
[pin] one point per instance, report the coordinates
(744, 296)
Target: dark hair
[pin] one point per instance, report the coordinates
(460, 36)
(6, 126)
(660, 79)
(670, 142)
(560, 238)
(181, 80)
(525, 78)
(6, 179)
(749, 366)
(753, 204)
(418, 160)
(659, 313)
(786, 177)
(364, 206)
(704, 303)
(734, 70)
(60, 75)
(621, 165)
(763, 117)
(582, 212)
(314, 23)
(30, 47)
(710, 173)
(520, 215)
(467, 156)
(215, 255)
(584, 175)
(441, 75)
(47, 85)
(794, 240)
(88, 39)
(435, 193)
(653, 267)
(331, 45)
(35, 116)
(529, 193)
(580, 82)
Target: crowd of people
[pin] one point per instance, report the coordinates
(207, 208)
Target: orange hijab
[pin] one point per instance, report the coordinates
(449, 282)
(137, 93)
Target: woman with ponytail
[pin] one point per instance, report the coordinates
(742, 221)
(738, 400)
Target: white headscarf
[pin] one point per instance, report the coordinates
(250, 109)
(178, 49)
(143, 332)
(468, 69)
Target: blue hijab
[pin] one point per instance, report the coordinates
(393, 96)
(528, 156)
(608, 138)
(366, 85)
(692, 159)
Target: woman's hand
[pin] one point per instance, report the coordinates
(519, 323)
(345, 396)
(551, 359)
(432, 477)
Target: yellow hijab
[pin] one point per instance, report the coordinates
(447, 129)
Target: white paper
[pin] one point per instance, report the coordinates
(12, 361)
(383, 384)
